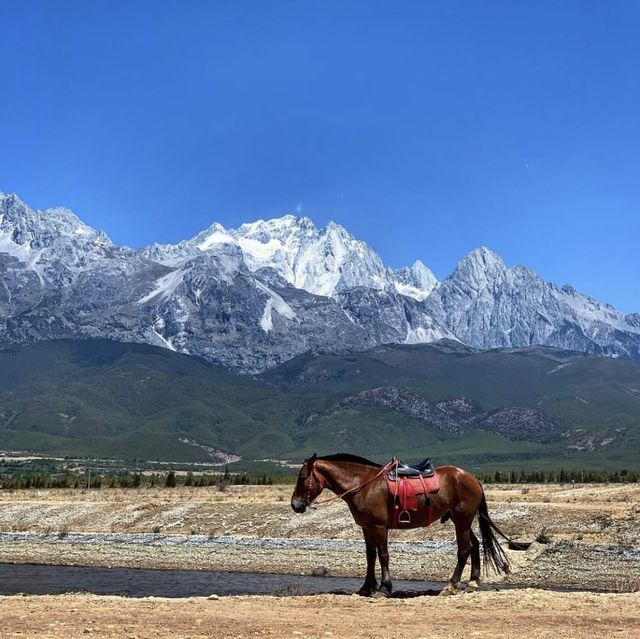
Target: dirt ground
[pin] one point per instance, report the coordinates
(594, 545)
(528, 613)
(593, 532)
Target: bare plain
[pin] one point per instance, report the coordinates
(588, 544)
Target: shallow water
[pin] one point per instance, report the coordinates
(135, 582)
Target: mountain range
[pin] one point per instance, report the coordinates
(257, 296)
(531, 407)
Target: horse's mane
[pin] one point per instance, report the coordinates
(348, 457)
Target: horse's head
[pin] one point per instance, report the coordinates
(309, 485)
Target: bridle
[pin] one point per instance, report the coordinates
(312, 473)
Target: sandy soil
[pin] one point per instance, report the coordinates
(528, 613)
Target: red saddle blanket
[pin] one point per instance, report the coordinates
(409, 503)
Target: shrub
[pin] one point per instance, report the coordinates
(542, 537)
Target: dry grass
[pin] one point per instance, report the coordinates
(585, 514)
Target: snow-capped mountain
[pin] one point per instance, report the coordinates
(253, 297)
(323, 261)
(249, 298)
(39, 239)
(487, 305)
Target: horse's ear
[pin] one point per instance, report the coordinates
(313, 457)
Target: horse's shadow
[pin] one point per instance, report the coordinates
(397, 594)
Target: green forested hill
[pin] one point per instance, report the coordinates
(108, 398)
(528, 407)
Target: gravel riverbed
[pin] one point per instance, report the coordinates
(593, 532)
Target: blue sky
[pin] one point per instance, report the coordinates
(426, 128)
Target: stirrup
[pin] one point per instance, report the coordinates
(404, 517)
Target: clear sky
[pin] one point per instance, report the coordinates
(426, 128)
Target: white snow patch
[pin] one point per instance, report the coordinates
(164, 286)
(22, 252)
(217, 237)
(266, 322)
(411, 291)
(274, 303)
(260, 250)
(558, 367)
(422, 335)
(159, 324)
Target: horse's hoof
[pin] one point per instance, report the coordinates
(367, 591)
(472, 586)
(381, 594)
(449, 590)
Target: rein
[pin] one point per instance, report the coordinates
(314, 473)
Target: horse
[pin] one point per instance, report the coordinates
(362, 485)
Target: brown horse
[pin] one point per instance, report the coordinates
(362, 485)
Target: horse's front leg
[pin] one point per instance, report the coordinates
(370, 583)
(381, 537)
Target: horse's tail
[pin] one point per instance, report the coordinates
(493, 554)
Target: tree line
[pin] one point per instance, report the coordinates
(560, 476)
(171, 479)
(126, 479)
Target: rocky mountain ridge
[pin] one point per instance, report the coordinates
(453, 416)
(253, 297)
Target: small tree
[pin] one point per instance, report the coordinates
(170, 481)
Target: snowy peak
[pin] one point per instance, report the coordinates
(278, 227)
(42, 228)
(416, 281)
(325, 261)
(332, 260)
(479, 270)
(215, 234)
(321, 261)
(482, 263)
(41, 239)
(487, 305)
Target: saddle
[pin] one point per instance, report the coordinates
(409, 489)
(422, 469)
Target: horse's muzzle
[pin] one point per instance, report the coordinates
(298, 505)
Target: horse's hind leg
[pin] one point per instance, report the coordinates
(465, 545)
(370, 583)
(474, 581)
